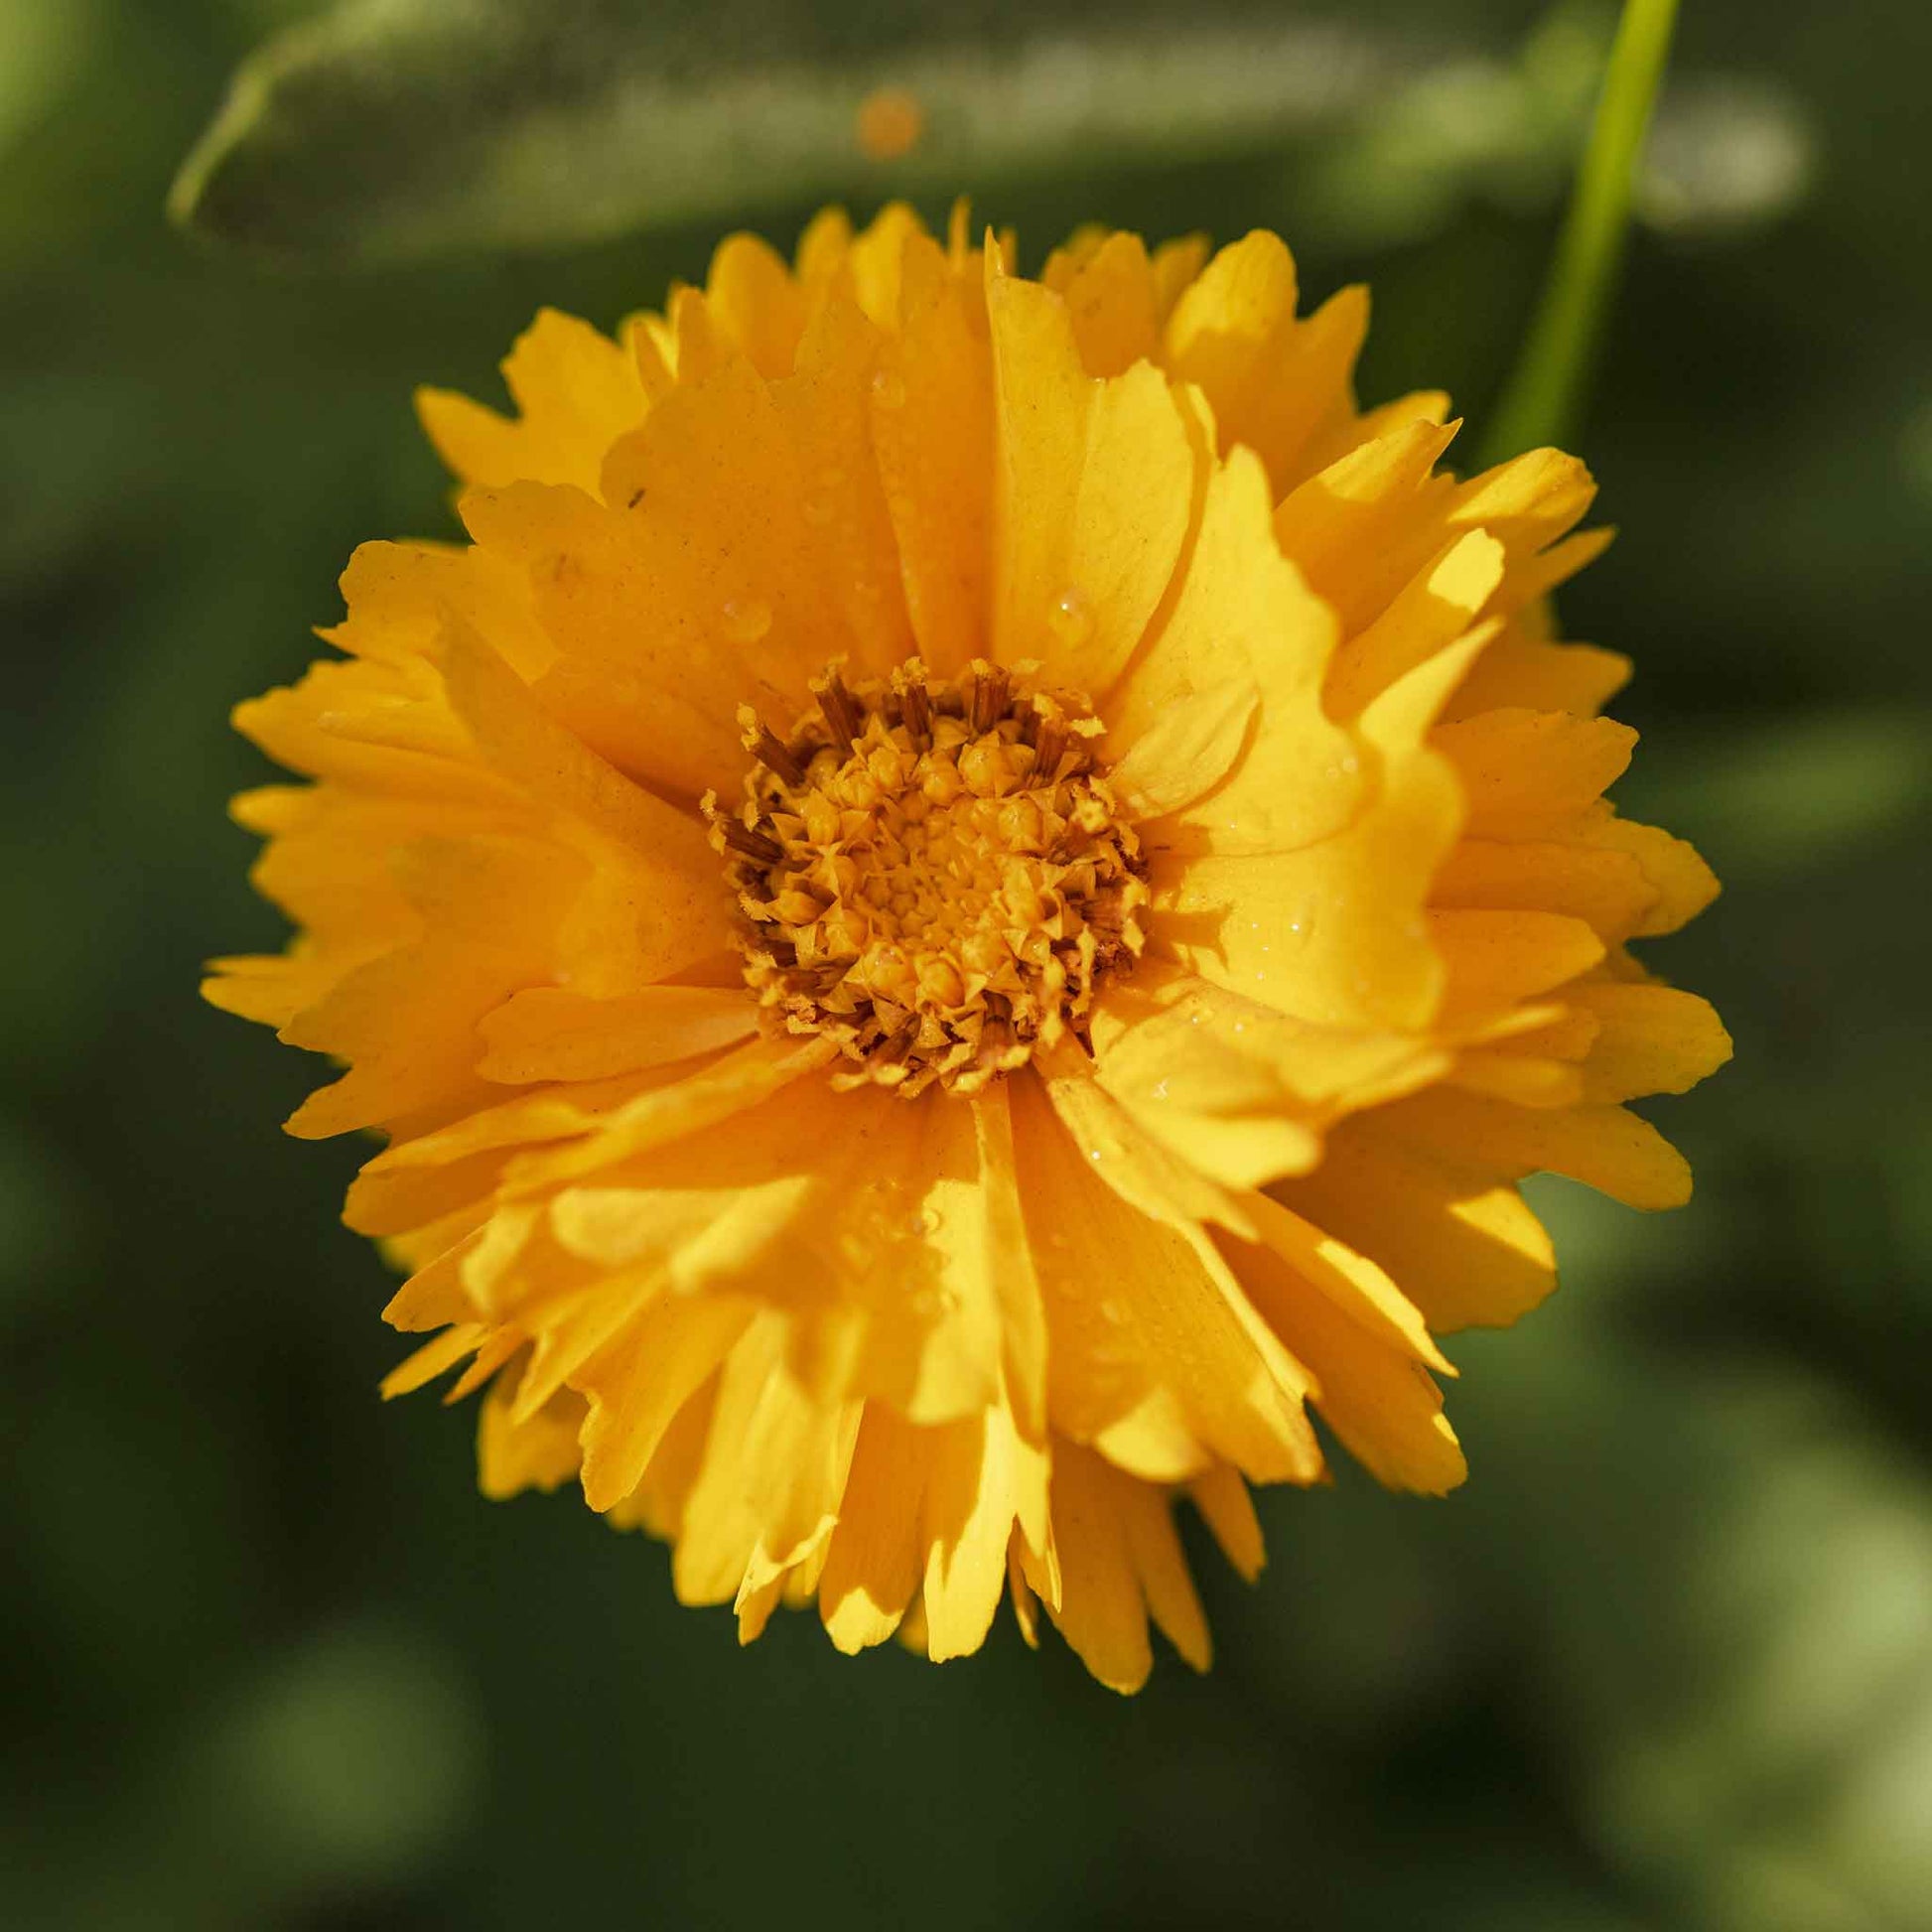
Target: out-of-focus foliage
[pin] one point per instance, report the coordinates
(1547, 393)
(388, 129)
(401, 126)
(1665, 1663)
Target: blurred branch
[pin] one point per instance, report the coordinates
(1546, 396)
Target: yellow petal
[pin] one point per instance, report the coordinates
(540, 1454)
(1095, 493)
(399, 596)
(874, 1565)
(407, 1022)
(647, 670)
(979, 1475)
(455, 1344)
(1331, 933)
(1134, 1306)
(551, 1033)
(1496, 959)
(932, 428)
(1377, 1398)
(1226, 1508)
(774, 1464)
(1213, 1077)
(827, 410)
(1022, 1317)
(1142, 1172)
(1168, 1024)
(1153, 1548)
(1360, 528)
(1435, 608)
(1514, 764)
(714, 498)
(1272, 382)
(1113, 305)
(1243, 612)
(637, 1387)
(1523, 1079)
(1359, 1289)
(551, 1114)
(1101, 1613)
(1461, 1244)
(578, 392)
(1519, 670)
(1650, 1040)
(666, 856)
(753, 298)
(1606, 1148)
(1186, 753)
(1607, 889)
(665, 1114)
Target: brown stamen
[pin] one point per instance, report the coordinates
(839, 709)
(990, 684)
(753, 845)
(776, 753)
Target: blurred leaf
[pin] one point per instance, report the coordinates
(1725, 156)
(41, 42)
(348, 1758)
(387, 127)
(1504, 129)
(1546, 393)
(1781, 797)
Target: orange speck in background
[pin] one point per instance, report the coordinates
(891, 122)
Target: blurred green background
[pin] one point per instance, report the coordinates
(1665, 1662)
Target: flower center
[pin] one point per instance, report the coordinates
(932, 871)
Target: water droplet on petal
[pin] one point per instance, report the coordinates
(1070, 618)
(889, 389)
(746, 619)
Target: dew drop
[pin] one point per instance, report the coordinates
(889, 389)
(746, 619)
(1070, 618)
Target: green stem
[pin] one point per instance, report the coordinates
(1546, 396)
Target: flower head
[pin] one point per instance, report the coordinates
(972, 895)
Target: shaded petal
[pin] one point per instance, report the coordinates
(1139, 1312)
(1378, 1398)
(551, 1033)
(1244, 613)
(875, 1561)
(1459, 1238)
(1649, 1039)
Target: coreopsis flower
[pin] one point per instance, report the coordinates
(971, 896)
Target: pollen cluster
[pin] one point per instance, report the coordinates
(933, 872)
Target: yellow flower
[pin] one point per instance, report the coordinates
(974, 893)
